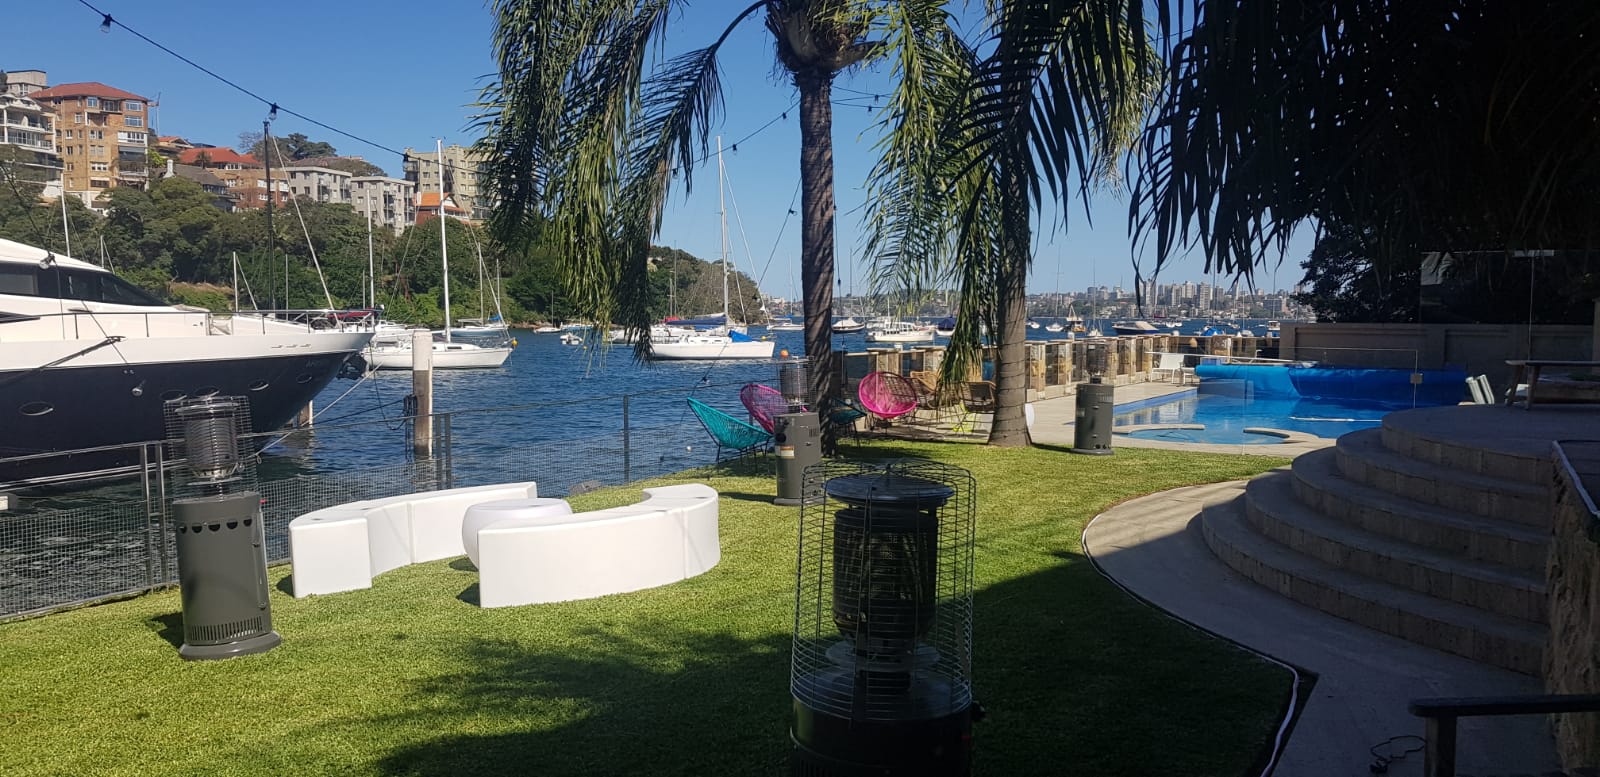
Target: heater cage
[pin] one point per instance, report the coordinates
(794, 383)
(883, 610)
(207, 435)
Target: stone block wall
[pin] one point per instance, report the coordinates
(1572, 658)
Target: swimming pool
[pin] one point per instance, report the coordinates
(1226, 417)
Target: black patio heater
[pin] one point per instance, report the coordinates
(221, 543)
(1091, 430)
(797, 434)
(882, 660)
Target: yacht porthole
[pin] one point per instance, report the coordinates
(259, 385)
(36, 408)
(206, 391)
(305, 377)
(172, 394)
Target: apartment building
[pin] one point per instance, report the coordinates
(28, 128)
(391, 202)
(244, 175)
(318, 184)
(461, 179)
(102, 134)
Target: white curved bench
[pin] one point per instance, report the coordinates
(670, 536)
(341, 548)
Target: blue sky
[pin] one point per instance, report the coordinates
(402, 73)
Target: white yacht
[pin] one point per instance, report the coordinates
(899, 332)
(88, 360)
(785, 325)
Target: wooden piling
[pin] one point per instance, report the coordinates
(422, 389)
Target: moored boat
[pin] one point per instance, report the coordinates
(87, 360)
(1135, 328)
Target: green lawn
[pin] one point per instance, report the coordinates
(691, 679)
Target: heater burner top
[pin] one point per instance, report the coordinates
(889, 488)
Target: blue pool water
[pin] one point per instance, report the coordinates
(1226, 417)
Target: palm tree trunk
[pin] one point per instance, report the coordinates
(816, 227)
(1010, 427)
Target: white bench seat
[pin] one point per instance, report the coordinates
(341, 548)
(669, 536)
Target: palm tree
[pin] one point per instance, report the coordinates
(973, 142)
(582, 144)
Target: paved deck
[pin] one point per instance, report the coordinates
(1364, 679)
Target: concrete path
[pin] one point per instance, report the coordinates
(1053, 424)
(1364, 679)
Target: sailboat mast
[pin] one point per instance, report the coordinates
(372, 280)
(444, 249)
(722, 210)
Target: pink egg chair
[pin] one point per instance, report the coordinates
(887, 396)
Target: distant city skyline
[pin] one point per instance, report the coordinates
(353, 77)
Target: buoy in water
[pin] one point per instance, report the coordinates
(783, 354)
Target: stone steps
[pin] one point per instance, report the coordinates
(1463, 455)
(1274, 510)
(1320, 485)
(1502, 641)
(1366, 457)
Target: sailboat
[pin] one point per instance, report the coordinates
(447, 354)
(707, 345)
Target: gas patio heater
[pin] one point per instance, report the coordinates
(1092, 422)
(797, 434)
(221, 543)
(882, 661)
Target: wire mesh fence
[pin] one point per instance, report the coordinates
(107, 537)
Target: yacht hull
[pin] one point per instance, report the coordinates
(684, 351)
(446, 356)
(70, 408)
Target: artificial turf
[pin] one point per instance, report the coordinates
(411, 678)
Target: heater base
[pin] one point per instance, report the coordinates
(829, 746)
(244, 647)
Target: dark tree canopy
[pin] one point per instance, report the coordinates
(293, 146)
(1436, 124)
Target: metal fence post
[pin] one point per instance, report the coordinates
(447, 443)
(161, 510)
(149, 528)
(627, 443)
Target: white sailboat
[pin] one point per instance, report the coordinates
(703, 346)
(447, 354)
(848, 325)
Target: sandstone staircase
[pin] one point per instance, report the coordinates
(1442, 544)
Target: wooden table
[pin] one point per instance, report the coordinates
(1527, 371)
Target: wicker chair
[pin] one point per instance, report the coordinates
(932, 396)
(977, 396)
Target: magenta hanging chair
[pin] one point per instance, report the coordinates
(887, 396)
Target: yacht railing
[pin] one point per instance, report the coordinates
(83, 324)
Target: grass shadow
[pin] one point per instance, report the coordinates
(286, 585)
(688, 703)
(469, 595)
(1051, 668)
(463, 564)
(169, 627)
